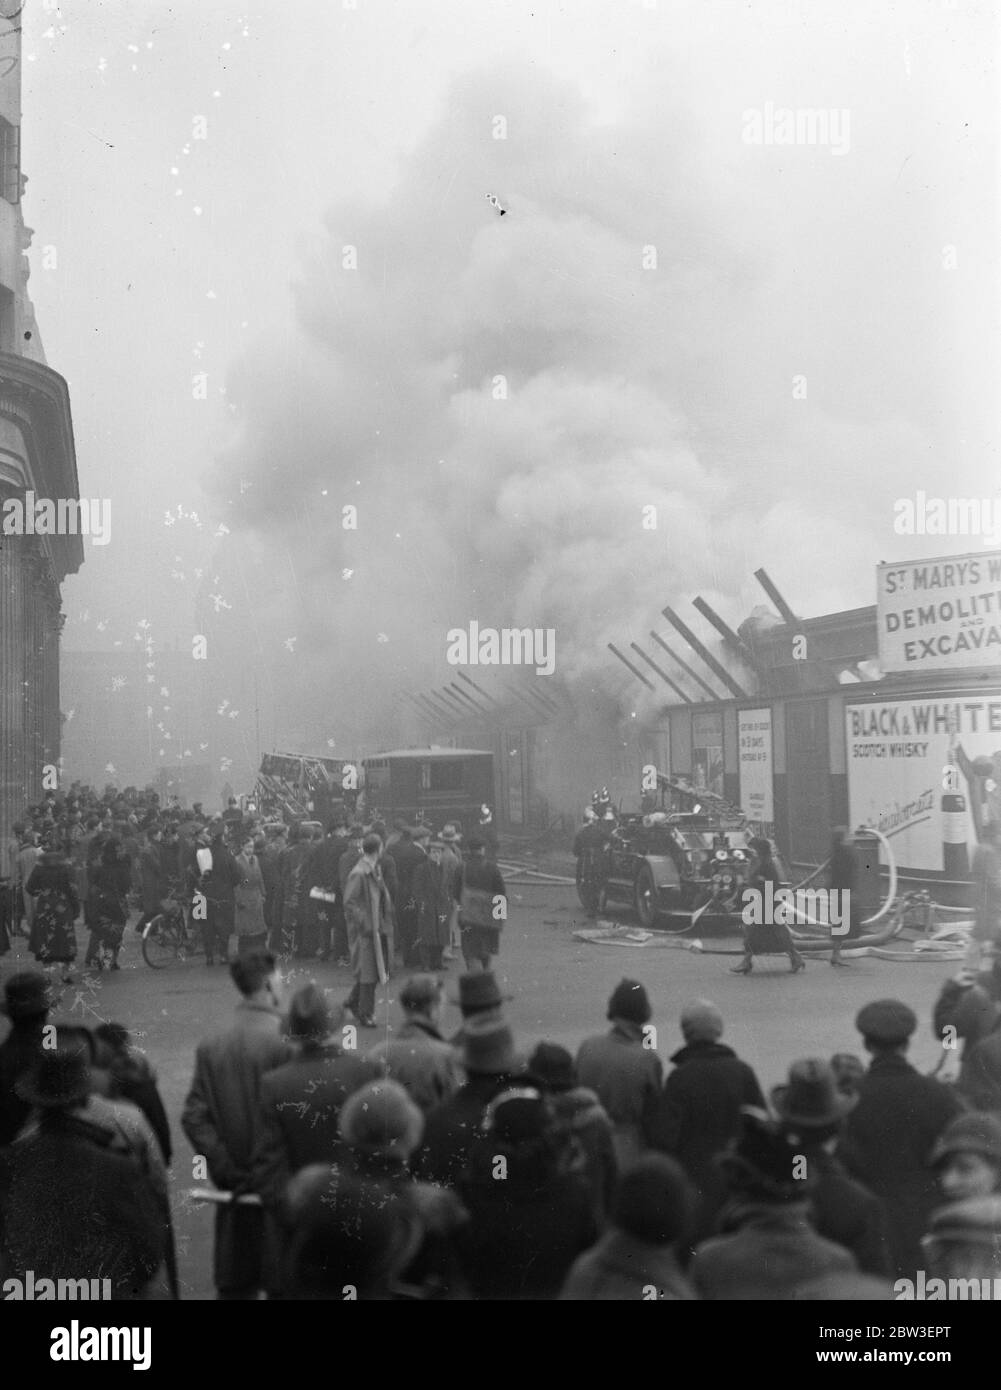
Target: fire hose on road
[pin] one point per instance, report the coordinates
(891, 913)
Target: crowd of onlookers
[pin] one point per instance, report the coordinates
(233, 877)
(466, 1167)
(453, 1167)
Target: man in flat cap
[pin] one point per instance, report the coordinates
(889, 1137)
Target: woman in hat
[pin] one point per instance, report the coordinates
(526, 1230)
(768, 1245)
(769, 936)
(582, 1120)
(381, 1128)
(111, 1219)
(248, 894)
(107, 904)
(52, 884)
(967, 1157)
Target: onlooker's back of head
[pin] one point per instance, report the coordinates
(654, 1202)
(346, 1232)
(26, 999)
(310, 1018)
(701, 1021)
(630, 1003)
(250, 973)
(381, 1120)
(553, 1067)
(421, 994)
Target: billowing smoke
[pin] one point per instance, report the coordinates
(539, 416)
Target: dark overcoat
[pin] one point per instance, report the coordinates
(887, 1144)
(699, 1113)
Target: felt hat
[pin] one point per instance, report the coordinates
(420, 992)
(488, 1047)
(479, 991)
(970, 1133)
(763, 1159)
(811, 1099)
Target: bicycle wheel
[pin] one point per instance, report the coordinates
(161, 946)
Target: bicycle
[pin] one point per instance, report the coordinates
(166, 940)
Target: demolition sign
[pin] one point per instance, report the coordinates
(936, 615)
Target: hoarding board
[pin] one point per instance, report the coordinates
(937, 615)
(754, 739)
(927, 773)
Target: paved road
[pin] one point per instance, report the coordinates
(560, 986)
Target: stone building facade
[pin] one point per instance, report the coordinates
(36, 457)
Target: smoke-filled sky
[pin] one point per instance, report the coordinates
(281, 289)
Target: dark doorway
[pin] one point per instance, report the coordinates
(808, 781)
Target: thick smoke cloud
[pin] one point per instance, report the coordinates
(501, 397)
